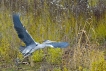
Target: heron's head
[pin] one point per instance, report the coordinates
(48, 41)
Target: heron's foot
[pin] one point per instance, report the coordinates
(23, 61)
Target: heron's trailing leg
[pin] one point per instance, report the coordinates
(25, 60)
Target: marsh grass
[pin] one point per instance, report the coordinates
(84, 28)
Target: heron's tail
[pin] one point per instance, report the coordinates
(22, 48)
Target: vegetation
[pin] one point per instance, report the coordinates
(82, 23)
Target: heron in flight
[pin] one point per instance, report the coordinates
(31, 45)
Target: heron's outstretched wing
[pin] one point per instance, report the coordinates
(58, 44)
(22, 32)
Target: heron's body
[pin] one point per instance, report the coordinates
(31, 45)
(31, 48)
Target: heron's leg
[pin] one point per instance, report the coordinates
(21, 61)
(29, 59)
(25, 60)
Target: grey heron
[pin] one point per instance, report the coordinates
(31, 45)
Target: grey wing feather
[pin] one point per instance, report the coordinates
(59, 44)
(22, 32)
(22, 48)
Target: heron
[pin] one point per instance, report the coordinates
(30, 44)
